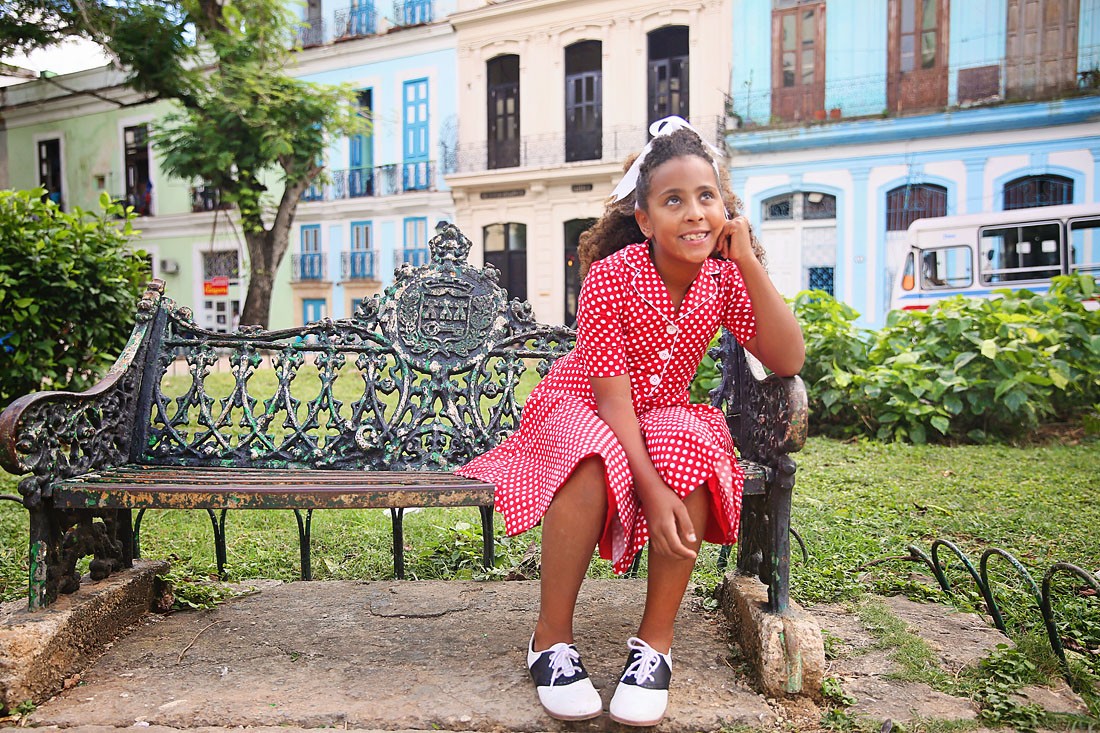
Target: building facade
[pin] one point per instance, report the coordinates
(554, 94)
(856, 118)
(842, 123)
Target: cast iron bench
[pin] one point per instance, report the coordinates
(436, 360)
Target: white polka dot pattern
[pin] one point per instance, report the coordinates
(626, 325)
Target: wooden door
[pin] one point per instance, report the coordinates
(917, 60)
(798, 62)
(1041, 47)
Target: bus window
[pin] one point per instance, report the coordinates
(949, 267)
(1030, 252)
(1085, 245)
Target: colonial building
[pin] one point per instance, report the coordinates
(553, 95)
(856, 118)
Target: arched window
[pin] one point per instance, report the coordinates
(668, 72)
(1043, 190)
(583, 101)
(799, 231)
(503, 114)
(506, 249)
(906, 204)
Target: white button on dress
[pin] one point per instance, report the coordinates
(654, 380)
(671, 329)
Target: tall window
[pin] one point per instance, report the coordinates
(49, 169)
(1045, 190)
(416, 174)
(416, 241)
(798, 60)
(361, 153)
(906, 204)
(311, 262)
(139, 186)
(800, 229)
(503, 97)
(360, 264)
(361, 20)
(917, 43)
(1041, 47)
(668, 72)
(573, 230)
(506, 249)
(583, 101)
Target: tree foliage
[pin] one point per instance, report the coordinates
(241, 123)
(69, 283)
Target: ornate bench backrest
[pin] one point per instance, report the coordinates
(424, 376)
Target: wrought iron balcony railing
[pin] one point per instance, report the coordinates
(382, 180)
(358, 265)
(207, 198)
(611, 145)
(307, 267)
(355, 22)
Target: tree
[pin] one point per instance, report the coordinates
(69, 283)
(241, 123)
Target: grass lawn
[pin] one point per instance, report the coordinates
(854, 503)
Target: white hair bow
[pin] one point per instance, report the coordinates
(664, 126)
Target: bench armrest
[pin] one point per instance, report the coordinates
(767, 413)
(61, 434)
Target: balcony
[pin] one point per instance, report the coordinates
(415, 256)
(358, 265)
(413, 12)
(555, 149)
(382, 180)
(307, 267)
(354, 22)
(364, 20)
(207, 198)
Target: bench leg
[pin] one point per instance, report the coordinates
(137, 534)
(488, 556)
(219, 539)
(779, 513)
(397, 520)
(303, 542)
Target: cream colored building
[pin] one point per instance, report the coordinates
(553, 94)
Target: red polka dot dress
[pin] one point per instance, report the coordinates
(626, 325)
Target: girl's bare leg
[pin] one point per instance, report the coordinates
(668, 579)
(570, 530)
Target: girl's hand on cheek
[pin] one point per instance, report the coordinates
(735, 240)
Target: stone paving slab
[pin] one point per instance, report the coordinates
(388, 655)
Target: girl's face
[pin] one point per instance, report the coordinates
(684, 213)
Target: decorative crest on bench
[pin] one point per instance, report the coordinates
(446, 314)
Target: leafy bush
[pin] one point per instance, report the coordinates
(965, 369)
(68, 285)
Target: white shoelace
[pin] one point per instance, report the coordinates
(643, 667)
(563, 662)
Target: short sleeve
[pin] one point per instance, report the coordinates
(738, 316)
(601, 344)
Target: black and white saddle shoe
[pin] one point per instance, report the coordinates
(642, 695)
(564, 689)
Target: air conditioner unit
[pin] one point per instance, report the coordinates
(169, 267)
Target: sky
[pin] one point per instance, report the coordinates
(65, 58)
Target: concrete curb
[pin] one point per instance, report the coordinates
(40, 650)
(786, 651)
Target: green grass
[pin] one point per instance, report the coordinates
(854, 503)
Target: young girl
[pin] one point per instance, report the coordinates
(609, 451)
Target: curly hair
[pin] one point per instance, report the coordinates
(617, 227)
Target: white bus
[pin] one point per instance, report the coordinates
(975, 254)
